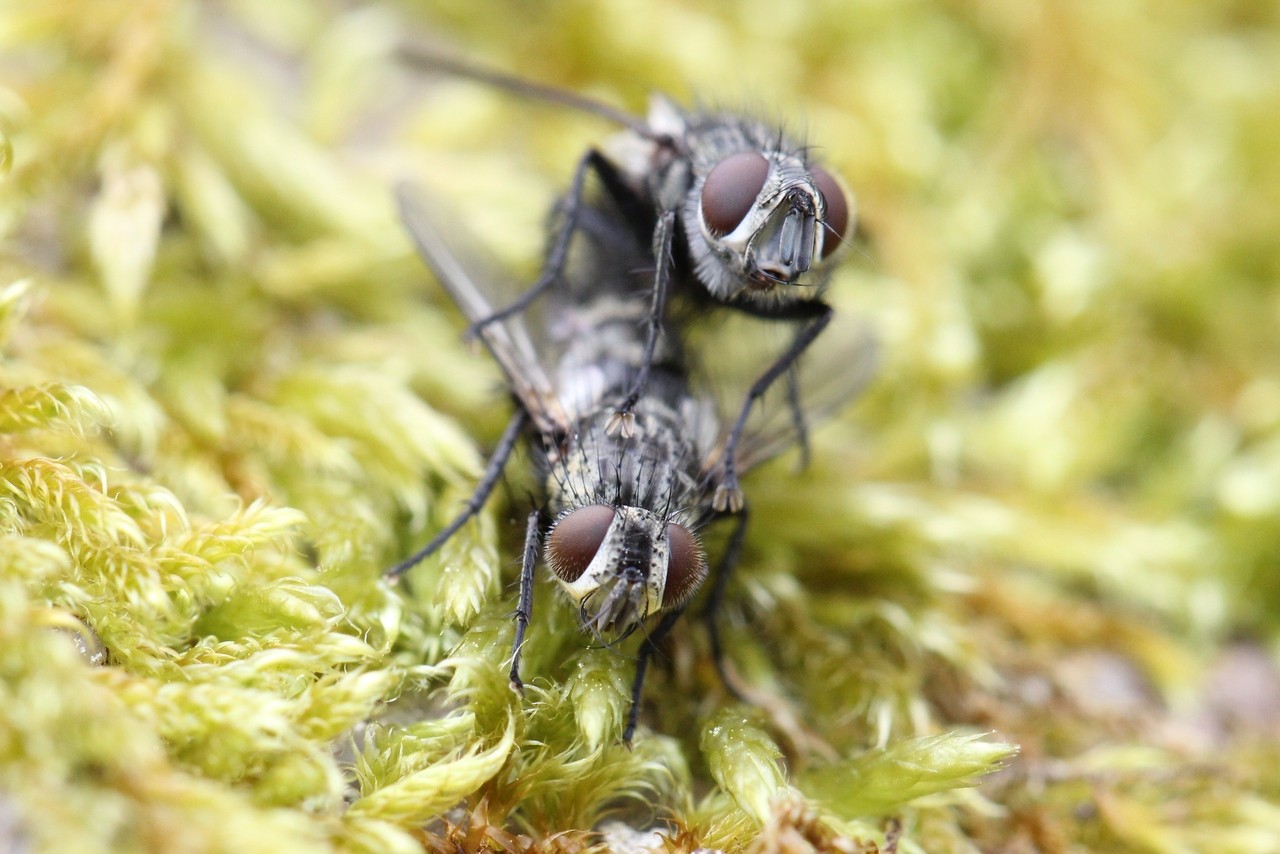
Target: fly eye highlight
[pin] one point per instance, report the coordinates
(837, 220)
(686, 565)
(575, 540)
(730, 190)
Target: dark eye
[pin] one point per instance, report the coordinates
(575, 540)
(686, 565)
(731, 189)
(837, 209)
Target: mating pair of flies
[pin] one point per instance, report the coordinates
(695, 213)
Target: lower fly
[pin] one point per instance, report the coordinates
(620, 518)
(621, 513)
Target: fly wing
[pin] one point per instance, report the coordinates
(831, 373)
(468, 275)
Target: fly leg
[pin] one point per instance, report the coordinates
(797, 738)
(724, 568)
(797, 416)
(647, 651)
(728, 495)
(524, 609)
(623, 420)
(492, 472)
(571, 208)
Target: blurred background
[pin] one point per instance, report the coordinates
(1055, 515)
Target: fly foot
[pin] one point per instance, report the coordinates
(623, 423)
(728, 497)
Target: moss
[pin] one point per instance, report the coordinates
(1025, 598)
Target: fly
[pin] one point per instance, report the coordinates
(737, 215)
(621, 514)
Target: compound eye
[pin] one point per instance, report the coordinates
(837, 221)
(731, 189)
(575, 540)
(686, 565)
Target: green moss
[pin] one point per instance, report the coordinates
(230, 398)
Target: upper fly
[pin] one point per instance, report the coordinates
(735, 214)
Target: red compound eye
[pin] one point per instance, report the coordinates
(686, 565)
(731, 189)
(575, 540)
(837, 220)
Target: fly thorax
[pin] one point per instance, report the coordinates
(654, 162)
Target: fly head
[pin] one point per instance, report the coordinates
(757, 221)
(620, 565)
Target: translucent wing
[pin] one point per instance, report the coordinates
(829, 375)
(469, 276)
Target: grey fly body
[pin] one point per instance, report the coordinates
(621, 511)
(618, 526)
(736, 214)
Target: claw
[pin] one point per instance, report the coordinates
(728, 497)
(476, 330)
(516, 684)
(623, 423)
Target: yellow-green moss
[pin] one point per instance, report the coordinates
(230, 398)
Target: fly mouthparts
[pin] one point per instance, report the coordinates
(790, 236)
(787, 242)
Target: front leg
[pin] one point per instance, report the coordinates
(728, 496)
(524, 609)
(797, 416)
(724, 569)
(623, 421)
(647, 650)
(572, 205)
(492, 472)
